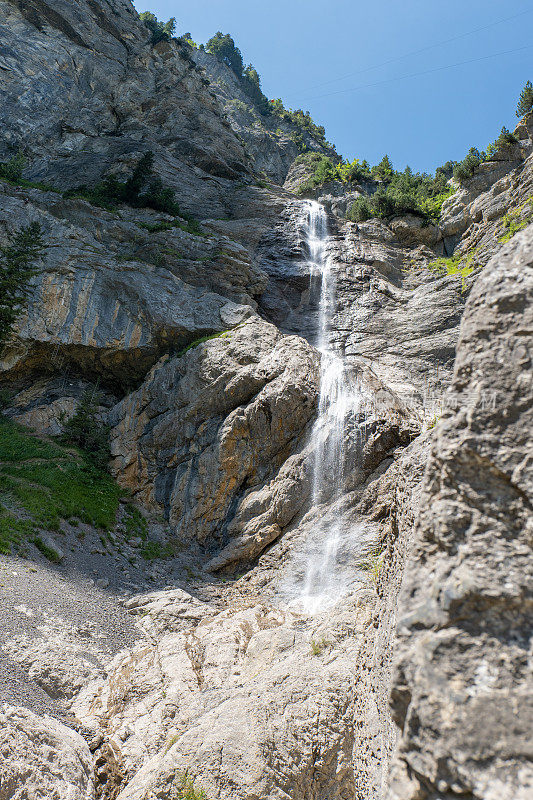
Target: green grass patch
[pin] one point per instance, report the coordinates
(184, 788)
(318, 647)
(135, 523)
(459, 265)
(153, 550)
(202, 339)
(43, 483)
(22, 182)
(47, 551)
(516, 220)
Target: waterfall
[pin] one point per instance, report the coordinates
(328, 566)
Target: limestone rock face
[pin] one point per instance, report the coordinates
(270, 141)
(210, 436)
(97, 309)
(236, 697)
(462, 689)
(128, 93)
(46, 759)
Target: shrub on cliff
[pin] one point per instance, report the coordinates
(12, 170)
(142, 190)
(404, 192)
(302, 119)
(224, 48)
(17, 266)
(360, 210)
(324, 172)
(161, 31)
(525, 103)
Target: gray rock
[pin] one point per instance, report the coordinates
(210, 430)
(42, 758)
(462, 692)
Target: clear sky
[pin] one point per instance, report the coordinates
(345, 61)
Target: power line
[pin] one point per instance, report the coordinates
(416, 52)
(424, 72)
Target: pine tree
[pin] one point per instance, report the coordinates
(525, 104)
(384, 170)
(16, 269)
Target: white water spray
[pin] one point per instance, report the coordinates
(326, 572)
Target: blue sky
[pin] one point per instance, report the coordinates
(302, 47)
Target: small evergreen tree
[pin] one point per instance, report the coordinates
(86, 429)
(384, 170)
(525, 103)
(12, 169)
(467, 167)
(360, 210)
(504, 139)
(161, 31)
(16, 268)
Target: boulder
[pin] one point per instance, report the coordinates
(42, 758)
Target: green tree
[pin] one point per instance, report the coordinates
(86, 429)
(188, 38)
(16, 268)
(223, 47)
(360, 210)
(384, 170)
(251, 74)
(504, 140)
(468, 166)
(161, 31)
(525, 103)
(142, 190)
(12, 169)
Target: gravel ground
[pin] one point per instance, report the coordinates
(72, 613)
(32, 593)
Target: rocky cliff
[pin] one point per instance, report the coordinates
(134, 679)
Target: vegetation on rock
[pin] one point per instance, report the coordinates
(17, 266)
(224, 48)
(468, 167)
(161, 31)
(302, 119)
(43, 482)
(12, 172)
(202, 339)
(404, 192)
(459, 265)
(142, 190)
(516, 220)
(525, 102)
(87, 430)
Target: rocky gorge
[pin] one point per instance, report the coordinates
(316, 582)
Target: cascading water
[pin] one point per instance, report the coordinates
(326, 572)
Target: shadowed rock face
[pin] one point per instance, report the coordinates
(209, 437)
(462, 689)
(102, 90)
